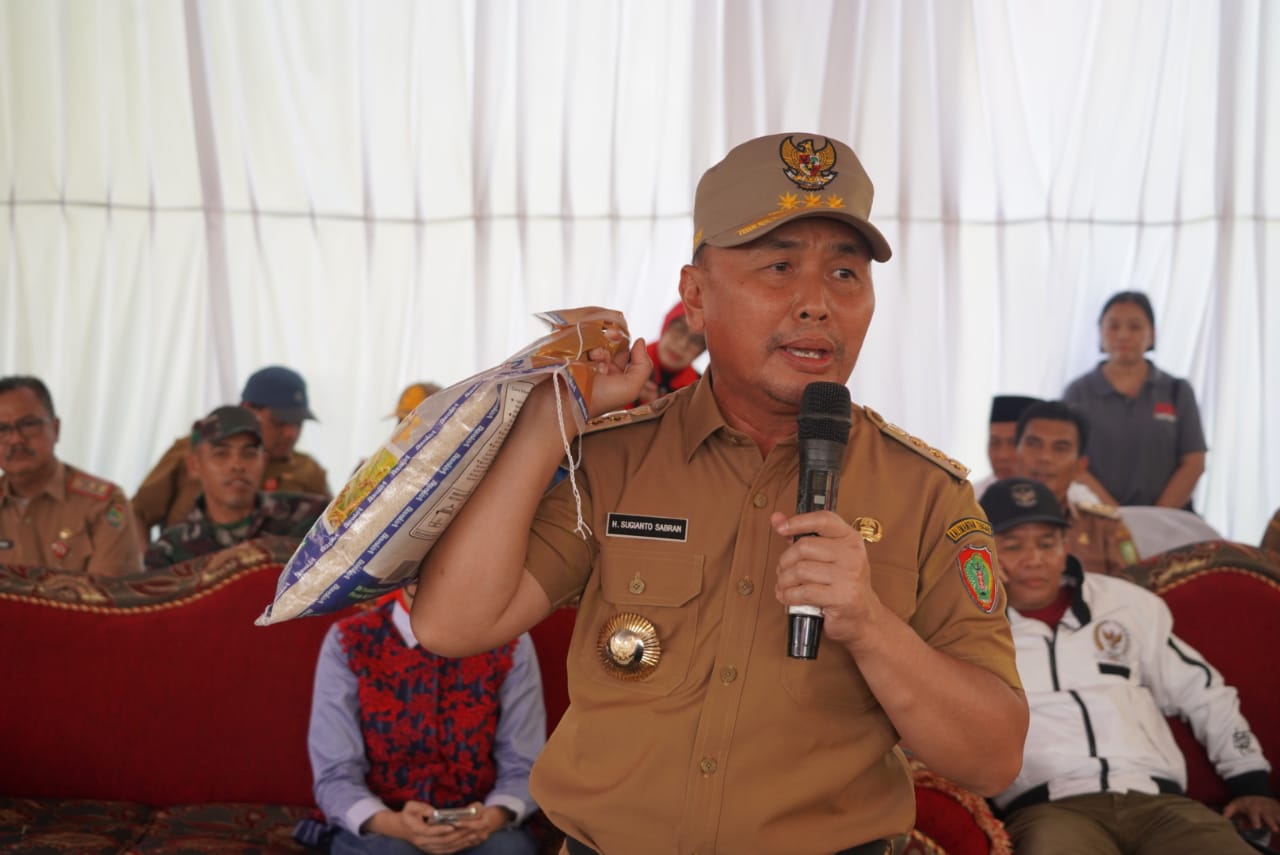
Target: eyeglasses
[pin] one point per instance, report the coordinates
(28, 428)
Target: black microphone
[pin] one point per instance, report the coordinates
(824, 421)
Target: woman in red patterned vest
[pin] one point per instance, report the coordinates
(398, 733)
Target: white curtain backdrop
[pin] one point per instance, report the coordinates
(378, 193)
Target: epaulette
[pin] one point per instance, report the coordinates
(953, 467)
(85, 484)
(1098, 509)
(635, 415)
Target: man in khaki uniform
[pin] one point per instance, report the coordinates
(52, 514)
(1050, 437)
(278, 396)
(690, 729)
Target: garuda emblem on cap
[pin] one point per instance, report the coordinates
(809, 169)
(1024, 495)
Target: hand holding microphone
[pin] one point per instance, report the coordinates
(823, 424)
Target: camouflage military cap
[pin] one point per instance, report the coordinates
(225, 422)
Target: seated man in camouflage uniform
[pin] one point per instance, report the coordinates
(278, 396)
(227, 459)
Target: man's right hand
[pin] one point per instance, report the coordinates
(413, 824)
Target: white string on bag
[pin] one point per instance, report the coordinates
(581, 529)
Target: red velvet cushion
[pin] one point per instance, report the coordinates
(161, 704)
(1232, 616)
(959, 821)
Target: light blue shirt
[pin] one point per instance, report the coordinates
(338, 760)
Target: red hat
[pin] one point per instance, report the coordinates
(677, 312)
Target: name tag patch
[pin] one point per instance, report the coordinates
(968, 525)
(651, 528)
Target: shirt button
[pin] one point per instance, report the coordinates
(760, 500)
(708, 766)
(745, 587)
(728, 674)
(636, 586)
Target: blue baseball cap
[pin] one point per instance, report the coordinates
(281, 390)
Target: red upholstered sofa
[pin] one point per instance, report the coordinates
(149, 715)
(1225, 599)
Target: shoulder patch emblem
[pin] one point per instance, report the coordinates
(87, 485)
(975, 573)
(1098, 509)
(968, 525)
(115, 516)
(956, 469)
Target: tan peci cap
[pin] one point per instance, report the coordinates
(771, 180)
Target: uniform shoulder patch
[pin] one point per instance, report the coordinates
(84, 484)
(1098, 509)
(633, 416)
(953, 467)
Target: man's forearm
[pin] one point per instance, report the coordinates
(470, 580)
(962, 721)
(1177, 490)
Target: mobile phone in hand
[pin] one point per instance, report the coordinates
(452, 815)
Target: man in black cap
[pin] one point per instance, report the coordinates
(227, 461)
(278, 396)
(1101, 772)
(1001, 440)
(1051, 438)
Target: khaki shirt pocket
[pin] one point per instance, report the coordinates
(663, 589)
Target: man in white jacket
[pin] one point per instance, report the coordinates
(1101, 772)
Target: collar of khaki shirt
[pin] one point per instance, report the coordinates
(56, 486)
(704, 418)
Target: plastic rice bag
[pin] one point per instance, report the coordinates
(376, 531)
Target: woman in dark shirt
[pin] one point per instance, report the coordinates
(1146, 446)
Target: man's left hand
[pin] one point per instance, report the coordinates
(490, 819)
(1250, 812)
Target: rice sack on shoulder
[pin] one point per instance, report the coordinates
(374, 534)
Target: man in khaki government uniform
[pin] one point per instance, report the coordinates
(1051, 435)
(278, 396)
(52, 514)
(689, 728)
